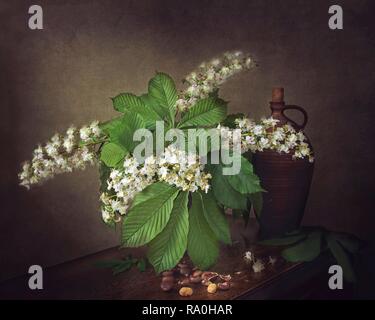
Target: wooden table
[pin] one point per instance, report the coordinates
(81, 279)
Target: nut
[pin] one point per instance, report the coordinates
(223, 285)
(197, 273)
(167, 279)
(184, 282)
(183, 265)
(208, 275)
(185, 271)
(212, 287)
(225, 277)
(167, 273)
(166, 285)
(195, 279)
(206, 282)
(185, 292)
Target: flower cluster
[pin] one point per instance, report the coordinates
(173, 166)
(210, 76)
(268, 135)
(61, 154)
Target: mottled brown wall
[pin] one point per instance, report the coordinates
(92, 50)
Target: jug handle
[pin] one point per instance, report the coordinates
(305, 117)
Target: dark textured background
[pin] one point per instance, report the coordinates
(92, 50)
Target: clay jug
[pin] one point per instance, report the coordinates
(286, 180)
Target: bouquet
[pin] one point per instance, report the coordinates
(171, 162)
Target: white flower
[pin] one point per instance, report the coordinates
(258, 130)
(249, 256)
(258, 266)
(84, 133)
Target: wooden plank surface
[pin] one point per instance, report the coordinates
(81, 279)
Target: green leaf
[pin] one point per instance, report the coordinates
(122, 133)
(349, 242)
(108, 263)
(205, 113)
(216, 218)
(246, 181)
(256, 200)
(342, 258)
(224, 192)
(306, 250)
(162, 89)
(148, 218)
(203, 247)
(125, 266)
(111, 125)
(229, 121)
(283, 241)
(127, 101)
(142, 265)
(153, 104)
(104, 173)
(167, 248)
(112, 154)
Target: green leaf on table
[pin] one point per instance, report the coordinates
(205, 113)
(246, 181)
(342, 258)
(256, 200)
(169, 246)
(216, 218)
(348, 241)
(306, 250)
(224, 192)
(203, 247)
(284, 241)
(112, 154)
(148, 218)
(141, 265)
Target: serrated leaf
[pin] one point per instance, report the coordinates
(112, 154)
(111, 124)
(205, 113)
(203, 247)
(122, 133)
(256, 200)
(104, 173)
(246, 181)
(153, 104)
(342, 258)
(162, 89)
(223, 191)
(283, 241)
(306, 250)
(349, 242)
(167, 248)
(127, 101)
(229, 121)
(216, 218)
(148, 218)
